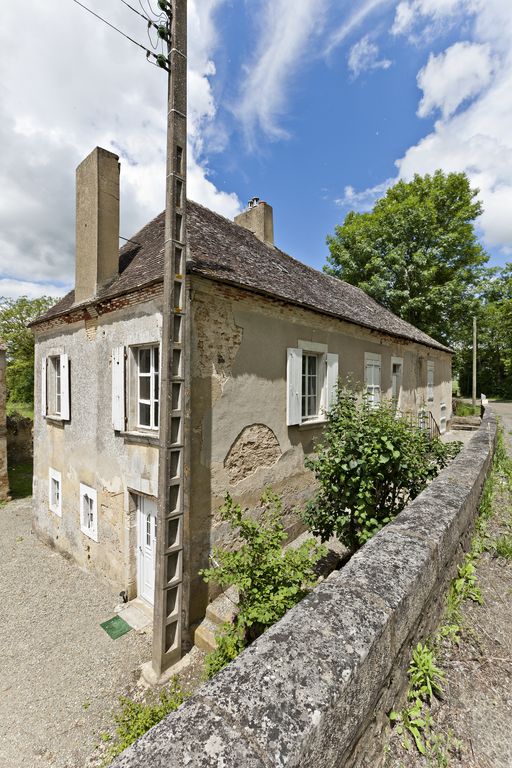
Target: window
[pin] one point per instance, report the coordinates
(430, 381)
(54, 491)
(312, 375)
(148, 387)
(310, 394)
(372, 365)
(88, 512)
(396, 381)
(55, 387)
(136, 388)
(442, 419)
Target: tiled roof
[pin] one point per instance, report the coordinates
(223, 251)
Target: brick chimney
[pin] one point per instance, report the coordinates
(97, 223)
(259, 219)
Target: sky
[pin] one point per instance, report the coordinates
(315, 106)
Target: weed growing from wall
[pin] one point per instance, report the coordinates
(369, 465)
(135, 718)
(269, 580)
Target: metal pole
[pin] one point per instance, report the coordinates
(172, 473)
(474, 361)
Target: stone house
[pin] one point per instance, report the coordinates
(269, 337)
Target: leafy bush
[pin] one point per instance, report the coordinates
(269, 580)
(369, 465)
(136, 718)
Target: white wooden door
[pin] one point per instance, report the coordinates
(146, 513)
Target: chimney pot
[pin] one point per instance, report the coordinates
(258, 219)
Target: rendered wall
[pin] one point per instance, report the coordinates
(314, 690)
(240, 440)
(88, 450)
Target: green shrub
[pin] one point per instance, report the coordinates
(136, 718)
(269, 580)
(369, 465)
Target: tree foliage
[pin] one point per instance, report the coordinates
(15, 314)
(416, 252)
(270, 580)
(369, 465)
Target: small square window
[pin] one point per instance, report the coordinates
(55, 491)
(88, 512)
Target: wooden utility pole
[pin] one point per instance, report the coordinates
(172, 472)
(474, 361)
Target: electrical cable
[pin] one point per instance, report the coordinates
(139, 45)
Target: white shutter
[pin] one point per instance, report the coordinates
(332, 379)
(43, 387)
(118, 407)
(293, 386)
(64, 386)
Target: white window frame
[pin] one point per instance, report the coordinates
(152, 375)
(397, 361)
(55, 387)
(430, 381)
(89, 517)
(373, 361)
(326, 376)
(54, 477)
(126, 379)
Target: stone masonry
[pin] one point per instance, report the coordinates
(314, 690)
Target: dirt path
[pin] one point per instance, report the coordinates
(474, 719)
(60, 673)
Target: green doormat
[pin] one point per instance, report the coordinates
(115, 627)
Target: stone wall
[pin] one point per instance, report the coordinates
(4, 480)
(314, 690)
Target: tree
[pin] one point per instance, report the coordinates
(416, 252)
(15, 314)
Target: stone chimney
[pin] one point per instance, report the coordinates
(97, 223)
(259, 219)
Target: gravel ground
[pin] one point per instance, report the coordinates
(476, 708)
(60, 674)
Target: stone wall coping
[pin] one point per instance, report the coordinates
(308, 689)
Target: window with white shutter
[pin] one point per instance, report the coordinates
(430, 381)
(312, 376)
(372, 369)
(88, 511)
(55, 387)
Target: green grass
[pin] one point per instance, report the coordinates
(20, 480)
(503, 547)
(464, 409)
(20, 409)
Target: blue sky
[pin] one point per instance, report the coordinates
(313, 105)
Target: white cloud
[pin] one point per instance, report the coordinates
(476, 140)
(365, 199)
(460, 73)
(410, 13)
(58, 100)
(285, 45)
(364, 56)
(353, 21)
(13, 289)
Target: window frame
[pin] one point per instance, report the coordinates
(326, 380)
(54, 476)
(443, 418)
(397, 361)
(89, 529)
(370, 359)
(153, 374)
(55, 387)
(430, 384)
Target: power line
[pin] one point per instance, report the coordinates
(160, 59)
